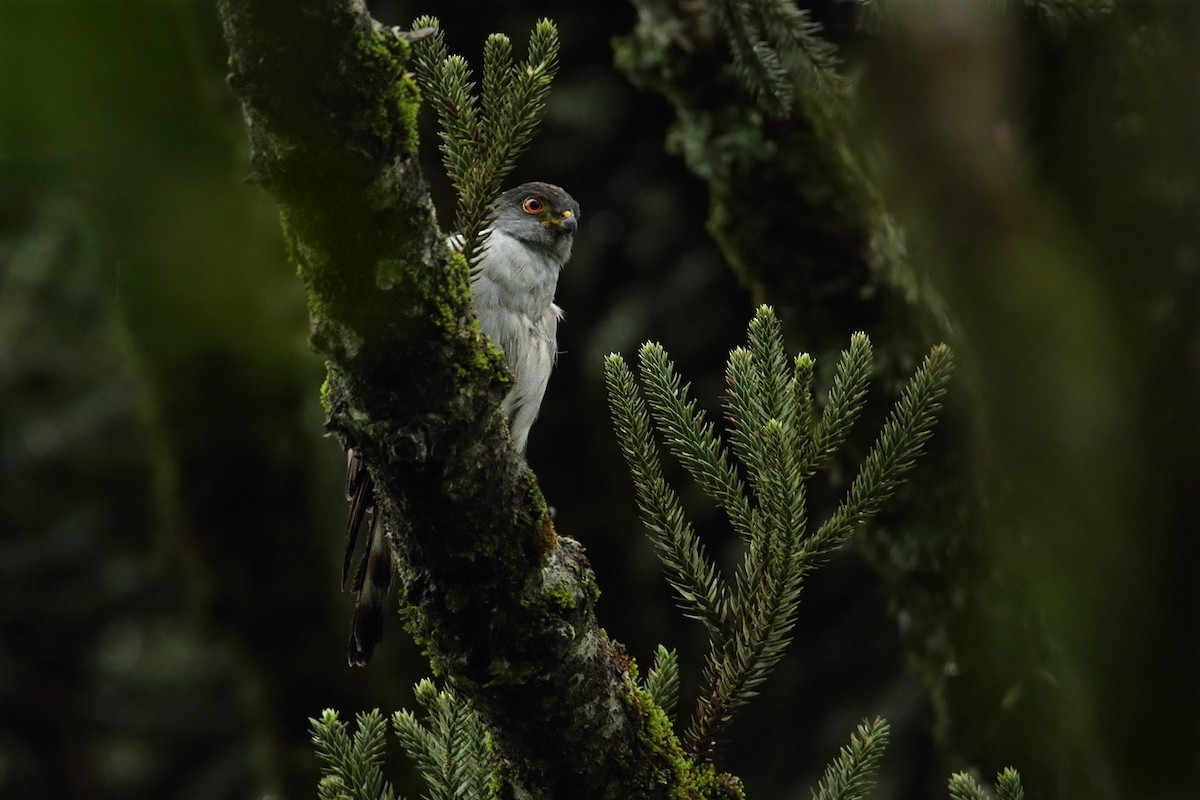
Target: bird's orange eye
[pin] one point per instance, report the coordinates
(532, 205)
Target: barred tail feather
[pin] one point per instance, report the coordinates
(360, 491)
(371, 584)
(373, 577)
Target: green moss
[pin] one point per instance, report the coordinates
(562, 597)
(391, 94)
(458, 283)
(326, 399)
(535, 498)
(452, 294)
(451, 301)
(291, 244)
(416, 625)
(680, 775)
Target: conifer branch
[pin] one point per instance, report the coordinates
(662, 682)
(745, 411)
(770, 577)
(765, 604)
(483, 135)
(772, 365)
(802, 379)
(851, 775)
(691, 439)
(353, 766)
(777, 47)
(689, 571)
(847, 396)
(782, 497)
(774, 435)
(963, 787)
(1008, 785)
(801, 44)
(908, 427)
(756, 64)
(451, 751)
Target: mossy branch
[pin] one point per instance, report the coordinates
(502, 606)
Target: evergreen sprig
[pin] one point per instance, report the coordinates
(901, 441)
(662, 682)
(851, 775)
(847, 396)
(691, 439)
(780, 441)
(484, 134)
(1008, 785)
(776, 48)
(963, 786)
(702, 592)
(451, 749)
(352, 768)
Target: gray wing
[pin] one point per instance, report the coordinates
(534, 362)
(530, 348)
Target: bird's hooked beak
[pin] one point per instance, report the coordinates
(566, 222)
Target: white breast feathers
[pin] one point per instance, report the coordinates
(513, 296)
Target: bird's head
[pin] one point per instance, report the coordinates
(541, 215)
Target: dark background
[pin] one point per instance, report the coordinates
(172, 516)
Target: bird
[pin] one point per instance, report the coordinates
(529, 234)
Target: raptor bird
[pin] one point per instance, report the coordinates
(531, 229)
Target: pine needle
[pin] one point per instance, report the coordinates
(851, 775)
(689, 571)
(662, 682)
(352, 765)
(963, 787)
(778, 49)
